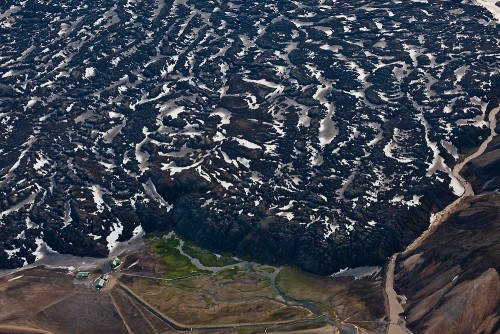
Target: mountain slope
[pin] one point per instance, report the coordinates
(451, 282)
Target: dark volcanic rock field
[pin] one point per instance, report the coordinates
(318, 133)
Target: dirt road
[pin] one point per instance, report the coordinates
(396, 325)
(395, 308)
(22, 330)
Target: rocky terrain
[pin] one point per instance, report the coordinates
(450, 283)
(317, 133)
(482, 172)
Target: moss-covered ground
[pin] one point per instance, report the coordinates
(206, 257)
(176, 264)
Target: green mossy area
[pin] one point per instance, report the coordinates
(206, 257)
(176, 264)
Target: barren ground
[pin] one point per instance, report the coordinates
(138, 298)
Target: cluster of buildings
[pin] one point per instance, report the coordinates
(101, 280)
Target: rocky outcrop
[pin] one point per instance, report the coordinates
(468, 307)
(268, 237)
(451, 281)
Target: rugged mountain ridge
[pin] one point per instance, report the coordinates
(450, 283)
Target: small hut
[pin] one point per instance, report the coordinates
(115, 263)
(100, 284)
(82, 274)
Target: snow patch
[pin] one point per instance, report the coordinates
(112, 238)
(89, 73)
(98, 200)
(491, 6)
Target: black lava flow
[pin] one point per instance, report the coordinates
(316, 133)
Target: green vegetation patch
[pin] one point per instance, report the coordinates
(207, 258)
(176, 264)
(269, 270)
